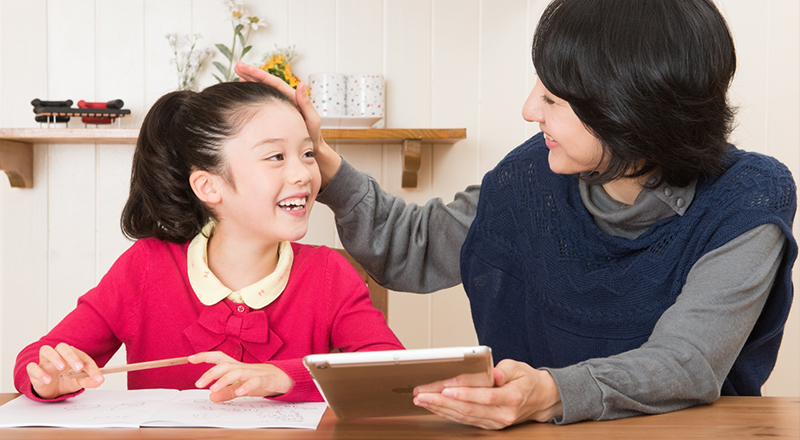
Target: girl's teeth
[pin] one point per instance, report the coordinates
(293, 205)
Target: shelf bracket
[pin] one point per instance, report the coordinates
(411, 160)
(16, 159)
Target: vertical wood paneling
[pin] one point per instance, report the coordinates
(408, 40)
(276, 13)
(71, 172)
(160, 75)
(503, 79)
(408, 84)
(23, 72)
(25, 263)
(212, 20)
(312, 29)
(71, 227)
(783, 113)
(748, 91)
(23, 233)
(455, 66)
(120, 55)
(71, 50)
(359, 41)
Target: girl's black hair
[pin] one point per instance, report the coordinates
(181, 133)
(649, 78)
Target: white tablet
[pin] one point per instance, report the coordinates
(381, 383)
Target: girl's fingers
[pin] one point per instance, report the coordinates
(227, 379)
(224, 363)
(309, 113)
(211, 357)
(48, 355)
(70, 356)
(254, 74)
(37, 374)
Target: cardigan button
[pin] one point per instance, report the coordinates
(240, 309)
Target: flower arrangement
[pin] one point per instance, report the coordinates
(188, 62)
(279, 63)
(243, 24)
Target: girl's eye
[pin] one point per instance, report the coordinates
(278, 156)
(310, 153)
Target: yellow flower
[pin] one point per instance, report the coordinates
(237, 14)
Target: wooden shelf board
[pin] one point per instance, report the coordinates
(16, 151)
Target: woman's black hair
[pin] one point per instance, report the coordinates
(649, 78)
(181, 133)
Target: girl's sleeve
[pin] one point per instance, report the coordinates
(88, 327)
(404, 247)
(356, 326)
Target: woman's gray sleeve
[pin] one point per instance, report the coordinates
(407, 248)
(694, 343)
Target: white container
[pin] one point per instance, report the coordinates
(366, 95)
(328, 93)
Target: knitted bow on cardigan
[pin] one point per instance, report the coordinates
(219, 323)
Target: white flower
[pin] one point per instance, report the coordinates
(183, 40)
(255, 22)
(235, 5)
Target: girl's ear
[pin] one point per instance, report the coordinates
(204, 185)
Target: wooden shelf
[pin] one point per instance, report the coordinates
(16, 145)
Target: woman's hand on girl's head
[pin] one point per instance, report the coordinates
(328, 160)
(237, 379)
(520, 393)
(46, 377)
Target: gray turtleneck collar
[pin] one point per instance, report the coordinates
(630, 221)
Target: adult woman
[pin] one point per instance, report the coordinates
(611, 255)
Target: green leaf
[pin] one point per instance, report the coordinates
(225, 51)
(241, 39)
(221, 68)
(218, 78)
(245, 50)
(238, 30)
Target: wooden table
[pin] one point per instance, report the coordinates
(729, 418)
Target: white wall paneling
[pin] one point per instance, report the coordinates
(447, 63)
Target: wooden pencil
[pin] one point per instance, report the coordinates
(132, 367)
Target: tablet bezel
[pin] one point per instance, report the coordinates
(380, 383)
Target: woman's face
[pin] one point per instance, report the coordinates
(275, 178)
(573, 148)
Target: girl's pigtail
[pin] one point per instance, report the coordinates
(161, 202)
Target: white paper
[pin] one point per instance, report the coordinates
(135, 408)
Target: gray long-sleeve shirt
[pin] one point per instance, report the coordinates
(693, 345)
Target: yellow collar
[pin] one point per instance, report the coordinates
(211, 291)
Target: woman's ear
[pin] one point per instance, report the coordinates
(204, 185)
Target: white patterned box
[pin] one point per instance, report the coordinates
(328, 93)
(366, 95)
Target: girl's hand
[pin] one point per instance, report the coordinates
(236, 379)
(327, 159)
(520, 393)
(53, 362)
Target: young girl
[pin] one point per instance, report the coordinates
(222, 181)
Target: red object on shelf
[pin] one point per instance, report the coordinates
(92, 120)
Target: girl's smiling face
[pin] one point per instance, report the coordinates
(573, 148)
(271, 177)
